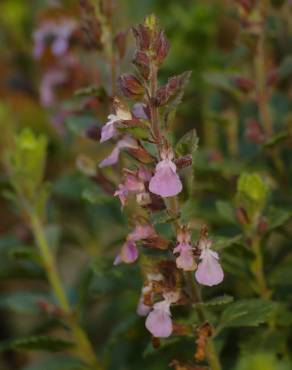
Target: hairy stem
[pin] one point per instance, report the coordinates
(85, 349)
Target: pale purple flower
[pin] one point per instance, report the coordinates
(139, 111)
(128, 253)
(60, 33)
(165, 182)
(109, 130)
(126, 142)
(159, 321)
(209, 271)
(50, 80)
(185, 260)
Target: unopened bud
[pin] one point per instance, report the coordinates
(244, 84)
(161, 47)
(130, 86)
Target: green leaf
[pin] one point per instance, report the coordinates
(25, 253)
(21, 302)
(218, 301)
(276, 139)
(250, 312)
(262, 361)
(47, 343)
(277, 217)
(58, 363)
(188, 144)
(226, 211)
(281, 275)
(94, 195)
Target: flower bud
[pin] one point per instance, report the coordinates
(243, 83)
(130, 86)
(161, 47)
(142, 62)
(142, 35)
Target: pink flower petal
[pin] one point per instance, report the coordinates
(129, 252)
(142, 309)
(159, 323)
(111, 159)
(108, 130)
(165, 182)
(209, 271)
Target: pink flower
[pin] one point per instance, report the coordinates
(165, 182)
(142, 232)
(109, 130)
(134, 183)
(126, 142)
(185, 261)
(209, 270)
(159, 321)
(129, 252)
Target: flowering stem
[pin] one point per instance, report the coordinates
(196, 297)
(86, 351)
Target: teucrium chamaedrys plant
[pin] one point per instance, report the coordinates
(143, 128)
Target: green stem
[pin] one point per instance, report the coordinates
(258, 269)
(84, 347)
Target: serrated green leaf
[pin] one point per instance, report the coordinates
(277, 217)
(188, 144)
(25, 253)
(247, 313)
(218, 301)
(41, 342)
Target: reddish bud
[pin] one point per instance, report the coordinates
(244, 84)
(174, 85)
(241, 216)
(142, 35)
(142, 62)
(130, 86)
(160, 47)
(183, 162)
